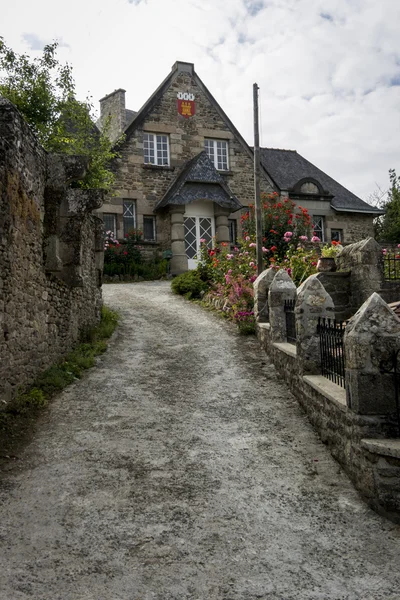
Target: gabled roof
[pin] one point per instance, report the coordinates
(157, 95)
(288, 168)
(199, 180)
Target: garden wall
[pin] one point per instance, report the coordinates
(358, 423)
(51, 250)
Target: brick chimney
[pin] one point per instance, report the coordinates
(114, 105)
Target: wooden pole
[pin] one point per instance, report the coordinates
(257, 193)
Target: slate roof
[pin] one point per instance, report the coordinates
(287, 168)
(199, 180)
(129, 116)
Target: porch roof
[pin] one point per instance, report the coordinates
(199, 180)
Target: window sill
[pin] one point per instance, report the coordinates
(223, 172)
(158, 167)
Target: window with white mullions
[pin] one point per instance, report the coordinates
(155, 149)
(318, 224)
(217, 151)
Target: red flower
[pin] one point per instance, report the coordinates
(212, 253)
(274, 249)
(125, 253)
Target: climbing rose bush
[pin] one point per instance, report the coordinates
(288, 242)
(283, 224)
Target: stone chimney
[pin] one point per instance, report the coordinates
(113, 105)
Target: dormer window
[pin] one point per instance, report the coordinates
(309, 188)
(155, 149)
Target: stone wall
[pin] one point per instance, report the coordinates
(358, 423)
(147, 184)
(51, 251)
(364, 261)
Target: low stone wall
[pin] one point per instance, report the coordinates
(361, 444)
(51, 251)
(358, 423)
(364, 261)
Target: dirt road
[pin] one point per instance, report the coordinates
(181, 468)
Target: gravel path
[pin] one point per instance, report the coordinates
(182, 468)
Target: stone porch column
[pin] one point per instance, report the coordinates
(221, 215)
(179, 261)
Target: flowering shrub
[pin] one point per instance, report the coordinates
(246, 322)
(288, 243)
(283, 223)
(331, 250)
(125, 258)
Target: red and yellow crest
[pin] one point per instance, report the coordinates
(186, 104)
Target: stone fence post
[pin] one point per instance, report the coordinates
(371, 336)
(313, 301)
(282, 288)
(261, 287)
(364, 260)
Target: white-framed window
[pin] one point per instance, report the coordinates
(149, 228)
(156, 149)
(217, 151)
(318, 224)
(129, 216)
(110, 223)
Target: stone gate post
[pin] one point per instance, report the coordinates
(282, 288)
(261, 287)
(313, 302)
(371, 336)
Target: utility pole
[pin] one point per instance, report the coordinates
(257, 193)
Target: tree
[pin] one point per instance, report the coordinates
(389, 226)
(43, 90)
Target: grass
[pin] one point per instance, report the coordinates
(26, 405)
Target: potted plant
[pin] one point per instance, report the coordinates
(328, 254)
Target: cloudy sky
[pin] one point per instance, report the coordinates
(328, 70)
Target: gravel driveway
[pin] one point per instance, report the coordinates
(182, 468)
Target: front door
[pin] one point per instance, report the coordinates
(196, 229)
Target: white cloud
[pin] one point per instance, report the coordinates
(329, 72)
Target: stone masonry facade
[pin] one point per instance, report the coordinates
(51, 251)
(147, 184)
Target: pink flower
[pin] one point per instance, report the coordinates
(265, 249)
(202, 241)
(229, 256)
(384, 252)
(303, 238)
(251, 264)
(247, 238)
(246, 253)
(288, 234)
(315, 238)
(252, 245)
(230, 271)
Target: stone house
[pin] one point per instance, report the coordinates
(185, 173)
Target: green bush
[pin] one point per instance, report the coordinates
(189, 284)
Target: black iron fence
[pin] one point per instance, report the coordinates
(391, 266)
(331, 334)
(290, 321)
